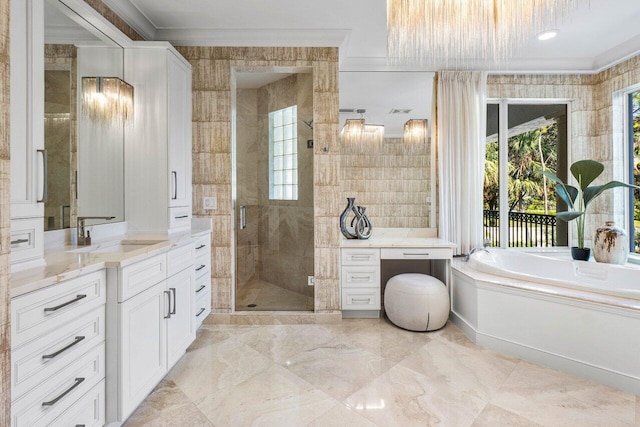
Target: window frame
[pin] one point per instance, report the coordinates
(503, 157)
(272, 156)
(627, 148)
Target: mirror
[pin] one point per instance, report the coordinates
(85, 175)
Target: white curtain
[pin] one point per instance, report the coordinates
(461, 133)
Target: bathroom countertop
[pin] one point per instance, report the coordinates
(400, 238)
(68, 262)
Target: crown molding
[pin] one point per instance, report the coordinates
(134, 17)
(618, 54)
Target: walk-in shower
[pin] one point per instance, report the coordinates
(273, 190)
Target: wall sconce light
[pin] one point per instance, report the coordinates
(358, 136)
(415, 134)
(107, 100)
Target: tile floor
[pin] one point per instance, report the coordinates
(258, 295)
(368, 373)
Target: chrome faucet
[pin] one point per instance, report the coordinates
(82, 239)
(476, 249)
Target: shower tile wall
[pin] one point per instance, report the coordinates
(212, 158)
(393, 185)
(286, 227)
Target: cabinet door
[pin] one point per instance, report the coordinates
(181, 324)
(27, 109)
(143, 346)
(179, 123)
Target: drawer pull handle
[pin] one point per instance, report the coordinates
(361, 300)
(78, 381)
(52, 355)
(200, 312)
(168, 294)
(200, 288)
(360, 257)
(45, 193)
(174, 175)
(201, 267)
(58, 307)
(182, 217)
(415, 254)
(173, 291)
(18, 241)
(361, 278)
(200, 247)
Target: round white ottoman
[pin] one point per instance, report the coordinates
(417, 302)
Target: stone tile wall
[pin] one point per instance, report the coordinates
(595, 123)
(395, 186)
(5, 214)
(212, 157)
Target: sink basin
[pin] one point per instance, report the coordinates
(117, 246)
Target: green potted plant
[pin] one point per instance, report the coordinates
(578, 199)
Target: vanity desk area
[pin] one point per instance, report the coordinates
(366, 265)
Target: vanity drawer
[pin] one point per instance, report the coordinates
(179, 218)
(142, 275)
(39, 359)
(57, 394)
(88, 411)
(203, 245)
(180, 258)
(416, 253)
(203, 265)
(361, 298)
(203, 285)
(203, 307)
(27, 239)
(360, 276)
(364, 256)
(49, 309)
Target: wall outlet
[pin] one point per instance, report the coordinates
(310, 280)
(210, 203)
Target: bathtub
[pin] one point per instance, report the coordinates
(547, 268)
(578, 317)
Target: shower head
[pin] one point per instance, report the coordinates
(309, 124)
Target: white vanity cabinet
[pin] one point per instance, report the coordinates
(151, 303)
(58, 354)
(360, 282)
(158, 145)
(28, 157)
(202, 267)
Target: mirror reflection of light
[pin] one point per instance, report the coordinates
(363, 406)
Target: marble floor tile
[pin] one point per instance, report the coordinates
(268, 296)
(167, 406)
(340, 416)
(274, 397)
(549, 397)
(493, 416)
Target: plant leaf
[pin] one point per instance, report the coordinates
(567, 193)
(594, 191)
(585, 171)
(552, 177)
(568, 215)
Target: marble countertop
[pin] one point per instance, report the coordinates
(400, 238)
(67, 262)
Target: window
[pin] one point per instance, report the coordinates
(634, 169)
(283, 154)
(522, 141)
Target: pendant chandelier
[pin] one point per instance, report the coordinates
(449, 31)
(415, 134)
(107, 100)
(359, 137)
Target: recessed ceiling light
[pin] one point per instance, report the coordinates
(547, 35)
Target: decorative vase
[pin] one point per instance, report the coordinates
(349, 231)
(580, 254)
(611, 244)
(363, 225)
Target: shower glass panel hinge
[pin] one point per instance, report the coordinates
(310, 280)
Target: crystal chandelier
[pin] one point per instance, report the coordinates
(358, 136)
(449, 31)
(107, 100)
(415, 134)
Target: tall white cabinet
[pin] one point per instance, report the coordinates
(28, 157)
(158, 145)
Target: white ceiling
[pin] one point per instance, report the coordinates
(598, 34)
